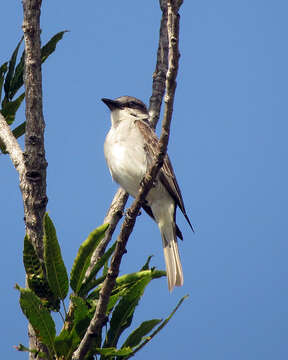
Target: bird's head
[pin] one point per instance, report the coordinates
(126, 108)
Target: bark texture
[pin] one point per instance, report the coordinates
(159, 76)
(33, 183)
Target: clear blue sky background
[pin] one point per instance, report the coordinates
(229, 150)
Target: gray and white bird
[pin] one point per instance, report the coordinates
(130, 148)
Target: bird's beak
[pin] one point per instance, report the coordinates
(112, 104)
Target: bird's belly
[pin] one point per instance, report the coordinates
(127, 165)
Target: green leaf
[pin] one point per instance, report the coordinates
(82, 316)
(55, 269)
(46, 51)
(18, 80)
(83, 257)
(79, 319)
(3, 70)
(12, 62)
(112, 351)
(114, 299)
(160, 327)
(19, 130)
(39, 317)
(137, 335)
(91, 281)
(30, 259)
(125, 281)
(50, 46)
(36, 277)
(124, 311)
(128, 278)
(63, 343)
(9, 108)
(146, 265)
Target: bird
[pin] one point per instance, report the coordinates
(130, 148)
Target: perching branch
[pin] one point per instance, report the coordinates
(114, 214)
(99, 317)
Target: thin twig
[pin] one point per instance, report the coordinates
(159, 75)
(99, 317)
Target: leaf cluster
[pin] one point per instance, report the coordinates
(49, 286)
(12, 80)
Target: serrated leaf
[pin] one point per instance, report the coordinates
(39, 317)
(3, 70)
(112, 351)
(19, 130)
(83, 257)
(30, 259)
(91, 281)
(138, 334)
(36, 277)
(50, 46)
(11, 67)
(124, 311)
(9, 108)
(55, 269)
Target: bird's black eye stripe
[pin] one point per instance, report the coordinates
(135, 105)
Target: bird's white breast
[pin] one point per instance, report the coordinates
(125, 156)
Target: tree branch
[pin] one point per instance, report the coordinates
(99, 317)
(12, 146)
(114, 214)
(33, 183)
(159, 76)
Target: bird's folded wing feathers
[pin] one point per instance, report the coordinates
(166, 174)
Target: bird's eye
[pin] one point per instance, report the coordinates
(135, 105)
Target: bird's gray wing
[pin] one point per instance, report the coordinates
(166, 174)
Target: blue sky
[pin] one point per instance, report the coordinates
(228, 147)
